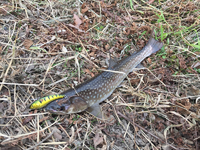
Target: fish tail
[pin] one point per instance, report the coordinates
(153, 45)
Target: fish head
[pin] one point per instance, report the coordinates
(74, 104)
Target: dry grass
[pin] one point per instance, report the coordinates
(45, 51)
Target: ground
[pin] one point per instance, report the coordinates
(50, 46)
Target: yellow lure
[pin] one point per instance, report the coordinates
(44, 101)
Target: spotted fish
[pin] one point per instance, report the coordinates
(89, 94)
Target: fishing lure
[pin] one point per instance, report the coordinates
(44, 101)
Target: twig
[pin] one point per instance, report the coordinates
(143, 129)
(139, 126)
(23, 136)
(13, 55)
(2, 83)
(41, 141)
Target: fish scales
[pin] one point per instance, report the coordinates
(100, 87)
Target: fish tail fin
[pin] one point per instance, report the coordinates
(154, 45)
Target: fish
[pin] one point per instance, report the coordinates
(42, 102)
(88, 95)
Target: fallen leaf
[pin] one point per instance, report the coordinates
(27, 119)
(185, 104)
(107, 46)
(182, 62)
(5, 92)
(97, 139)
(57, 133)
(27, 43)
(150, 1)
(127, 19)
(64, 49)
(29, 68)
(109, 118)
(193, 91)
(84, 8)
(145, 28)
(92, 54)
(70, 121)
(1, 49)
(149, 60)
(140, 43)
(89, 72)
(4, 9)
(136, 129)
(44, 118)
(77, 21)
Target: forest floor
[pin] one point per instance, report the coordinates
(47, 47)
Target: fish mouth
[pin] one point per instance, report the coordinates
(53, 111)
(58, 107)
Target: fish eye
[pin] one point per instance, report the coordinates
(55, 107)
(62, 108)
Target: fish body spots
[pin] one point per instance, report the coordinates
(101, 87)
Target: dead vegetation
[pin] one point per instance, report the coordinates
(49, 46)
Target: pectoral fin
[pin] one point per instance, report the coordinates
(95, 110)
